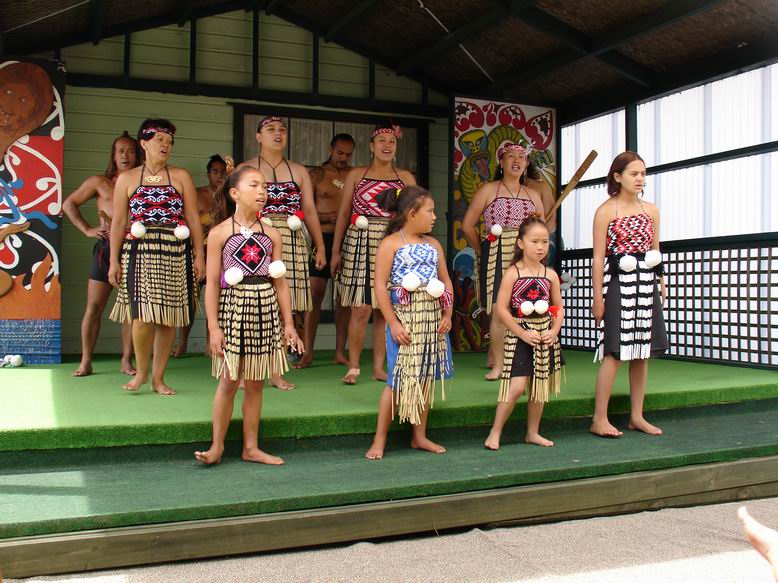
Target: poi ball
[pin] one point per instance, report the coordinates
(233, 276)
(138, 229)
(496, 230)
(628, 263)
(181, 232)
(653, 258)
(541, 306)
(566, 276)
(361, 222)
(411, 282)
(527, 308)
(267, 221)
(435, 287)
(277, 269)
(565, 286)
(294, 223)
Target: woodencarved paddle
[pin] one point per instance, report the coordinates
(572, 183)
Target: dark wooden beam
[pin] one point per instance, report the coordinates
(371, 80)
(315, 66)
(356, 11)
(96, 20)
(250, 5)
(193, 51)
(272, 6)
(555, 28)
(255, 48)
(127, 59)
(183, 11)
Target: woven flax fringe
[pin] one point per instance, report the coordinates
(254, 343)
(547, 373)
(158, 283)
(357, 271)
(296, 255)
(502, 247)
(423, 361)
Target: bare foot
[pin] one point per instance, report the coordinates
(84, 370)
(135, 384)
(380, 375)
(128, 369)
(762, 538)
(644, 426)
(489, 361)
(280, 382)
(376, 451)
(162, 389)
(493, 441)
(260, 457)
(351, 377)
(427, 445)
(178, 350)
(537, 439)
(604, 429)
(493, 374)
(341, 359)
(305, 361)
(210, 457)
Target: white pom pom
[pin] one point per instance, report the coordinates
(411, 282)
(628, 263)
(435, 288)
(277, 269)
(541, 306)
(566, 276)
(361, 222)
(16, 360)
(233, 276)
(653, 258)
(267, 221)
(497, 230)
(565, 286)
(138, 229)
(527, 308)
(181, 232)
(294, 223)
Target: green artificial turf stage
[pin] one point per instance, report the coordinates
(66, 490)
(44, 407)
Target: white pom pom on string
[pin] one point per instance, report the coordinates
(496, 230)
(233, 276)
(294, 223)
(628, 263)
(566, 276)
(527, 308)
(267, 221)
(277, 269)
(181, 232)
(361, 222)
(17, 360)
(138, 229)
(541, 306)
(653, 258)
(411, 282)
(565, 286)
(435, 288)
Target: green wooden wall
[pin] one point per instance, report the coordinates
(94, 117)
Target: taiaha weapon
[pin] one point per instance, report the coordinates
(572, 183)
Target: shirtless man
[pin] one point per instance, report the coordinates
(124, 156)
(328, 181)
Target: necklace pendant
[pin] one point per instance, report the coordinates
(154, 179)
(246, 232)
(339, 183)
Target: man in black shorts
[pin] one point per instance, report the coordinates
(124, 156)
(328, 182)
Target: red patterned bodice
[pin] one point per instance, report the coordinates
(630, 234)
(365, 193)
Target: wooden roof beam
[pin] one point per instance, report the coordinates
(357, 10)
(183, 12)
(96, 20)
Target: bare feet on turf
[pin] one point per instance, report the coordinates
(493, 374)
(210, 457)
(351, 377)
(260, 457)
(341, 359)
(135, 384)
(280, 382)
(427, 445)
(179, 350)
(537, 439)
(644, 426)
(83, 370)
(305, 361)
(493, 441)
(763, 539)
(162, 389)
(127, 368)
(376, 451)
(604, 429)
(380, 375)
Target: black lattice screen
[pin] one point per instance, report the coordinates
(722, 301)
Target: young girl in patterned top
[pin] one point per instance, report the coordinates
(246, 290)
(414, 293)
(627, 277)
(529, 304)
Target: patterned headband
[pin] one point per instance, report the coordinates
(149, 132)
(395, 130)
(512, 147)
(270, 119)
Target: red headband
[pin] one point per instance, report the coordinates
(395, 130)
(270, 119)
(511, 147)
(149, 132)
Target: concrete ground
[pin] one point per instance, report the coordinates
(677, 545)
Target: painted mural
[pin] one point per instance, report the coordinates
(480, 127)
(31, 143)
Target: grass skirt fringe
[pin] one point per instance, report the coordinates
(547, 363)
(423, 362)
(495, 258)
(158, 283)
(296, 255)
(355, 286)
(254, 343)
